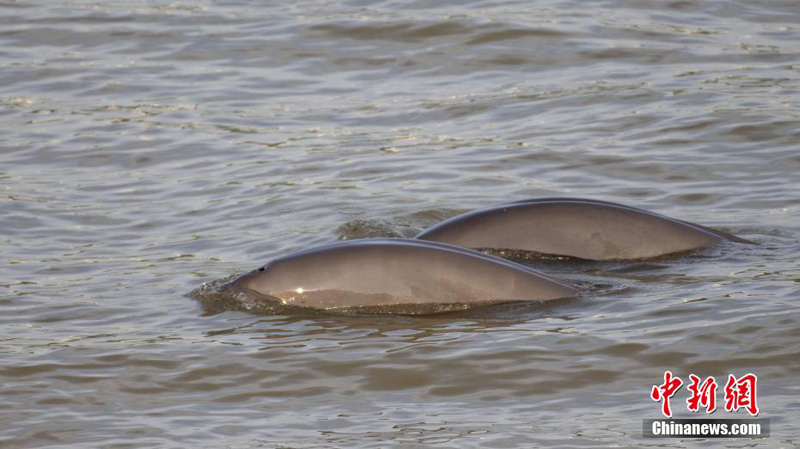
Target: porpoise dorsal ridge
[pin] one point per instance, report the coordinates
(575, 227)
(382, 272)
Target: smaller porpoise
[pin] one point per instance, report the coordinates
(582, 228)
(384, 272)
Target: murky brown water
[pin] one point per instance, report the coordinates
(151, 146)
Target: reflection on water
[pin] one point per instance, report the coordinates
(150, 147)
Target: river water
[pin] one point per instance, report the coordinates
(149, 147)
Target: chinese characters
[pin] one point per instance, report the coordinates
(740, 393)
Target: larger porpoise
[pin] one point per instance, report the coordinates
(380, 272)
(582, 228)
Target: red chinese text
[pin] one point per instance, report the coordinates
(665, 391)
(704, 394)
(741, 393)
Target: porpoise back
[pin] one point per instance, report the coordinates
(575, 227)
(379, 272)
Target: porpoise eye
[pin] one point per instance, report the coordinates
(261, 269)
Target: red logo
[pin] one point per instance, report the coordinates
(739, 393)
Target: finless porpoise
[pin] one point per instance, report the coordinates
(575, 227)
(382, 272)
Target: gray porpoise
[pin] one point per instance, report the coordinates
(381, 272)
(582, 228)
